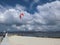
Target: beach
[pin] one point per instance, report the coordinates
(24, 40)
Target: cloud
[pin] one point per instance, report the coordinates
(50, 14)
(33, 2)
(26, 0)
(46, 19)
(36, 1)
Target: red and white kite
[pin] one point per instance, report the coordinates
(21, 15)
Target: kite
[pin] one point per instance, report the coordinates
(21, 15)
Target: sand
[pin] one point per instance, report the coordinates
(23, 40)
(1, 38)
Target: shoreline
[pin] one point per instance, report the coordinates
(24, 40)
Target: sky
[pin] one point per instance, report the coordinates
(39, 15)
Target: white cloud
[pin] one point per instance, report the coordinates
(26, 0)
(2, 18)
(34, 2)
(47, 18)
(50, 13)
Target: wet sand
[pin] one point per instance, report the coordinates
(23, 40)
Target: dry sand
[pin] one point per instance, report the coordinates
(22, 40)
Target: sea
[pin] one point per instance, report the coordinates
(44, 34)
(49, 34)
